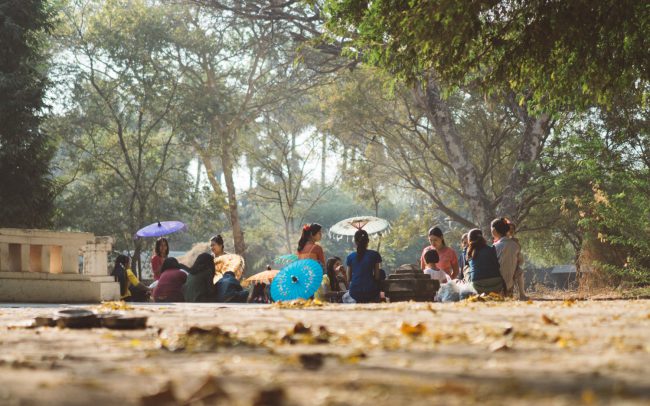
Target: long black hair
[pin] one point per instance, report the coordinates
(331, 273)
(476, 242)
(158, 246)
(361, 240)
(308, 231)
(172, 263)
(119, 272)
(203, 263)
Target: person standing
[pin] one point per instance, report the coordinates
(364, 271)
(448, 261)
(160, 253)
(507, 251)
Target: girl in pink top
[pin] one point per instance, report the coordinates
(161, 252)
(448, 259)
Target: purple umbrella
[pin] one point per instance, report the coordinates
(160, 228)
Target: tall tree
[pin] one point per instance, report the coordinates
(25, 150)
(461, 153)
(285, 152)
(571, 54)
(236, 69)
(124, 90)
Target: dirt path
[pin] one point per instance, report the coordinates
(589, 352)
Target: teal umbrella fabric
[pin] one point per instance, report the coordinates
(285, 259)
(298, 280)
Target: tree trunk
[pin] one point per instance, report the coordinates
(535, 131)
(213, 175)
(197, 185)
(440, 117)
(323, 159)
(237, 232)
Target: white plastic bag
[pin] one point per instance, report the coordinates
(448, 292)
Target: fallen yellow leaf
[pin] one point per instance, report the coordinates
(413, 330)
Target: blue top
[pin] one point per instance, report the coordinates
(363, 286)
(485, 266)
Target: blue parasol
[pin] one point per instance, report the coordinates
(160, 228)
(285, 259)
(298, 280)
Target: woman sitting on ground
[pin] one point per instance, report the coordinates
(448, 260)
(199, 286)
(307, 245)
(309, 249)
(131, 289)
(170, 285)
(483, 270)
(224, 261)
(229, 290)
(336, 275)
(364, 273)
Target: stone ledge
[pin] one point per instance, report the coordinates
(23, 290)
(55, 276)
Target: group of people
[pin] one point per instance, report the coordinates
(215, 276)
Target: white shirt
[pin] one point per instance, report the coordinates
(437, 275)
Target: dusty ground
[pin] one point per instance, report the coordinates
(540, 352)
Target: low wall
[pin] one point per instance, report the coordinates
(43, 266)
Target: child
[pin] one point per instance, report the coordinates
(430, 259)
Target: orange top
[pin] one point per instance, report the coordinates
(313, 251)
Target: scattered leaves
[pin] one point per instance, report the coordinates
(548, 320)
(588, 397)
(298, 304)
(199, 339)
(115, 305)
(490, 297)
(354, 357)
(301, 334)
(568, 302)
(413, 330)
(500, 345)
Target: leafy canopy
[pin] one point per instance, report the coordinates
(564, 54)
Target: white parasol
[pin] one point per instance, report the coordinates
(346, 228)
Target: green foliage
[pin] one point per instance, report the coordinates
(598, 185)
(570, 54)
(25, 150)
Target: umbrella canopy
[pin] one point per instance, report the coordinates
(347, 228)
(298, 280)
(285, 259)
(261, 277)
(160, 228)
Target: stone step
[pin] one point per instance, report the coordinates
(409, 276)
(411, 285)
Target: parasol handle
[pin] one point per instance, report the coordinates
(294, 279)
(159, 225)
